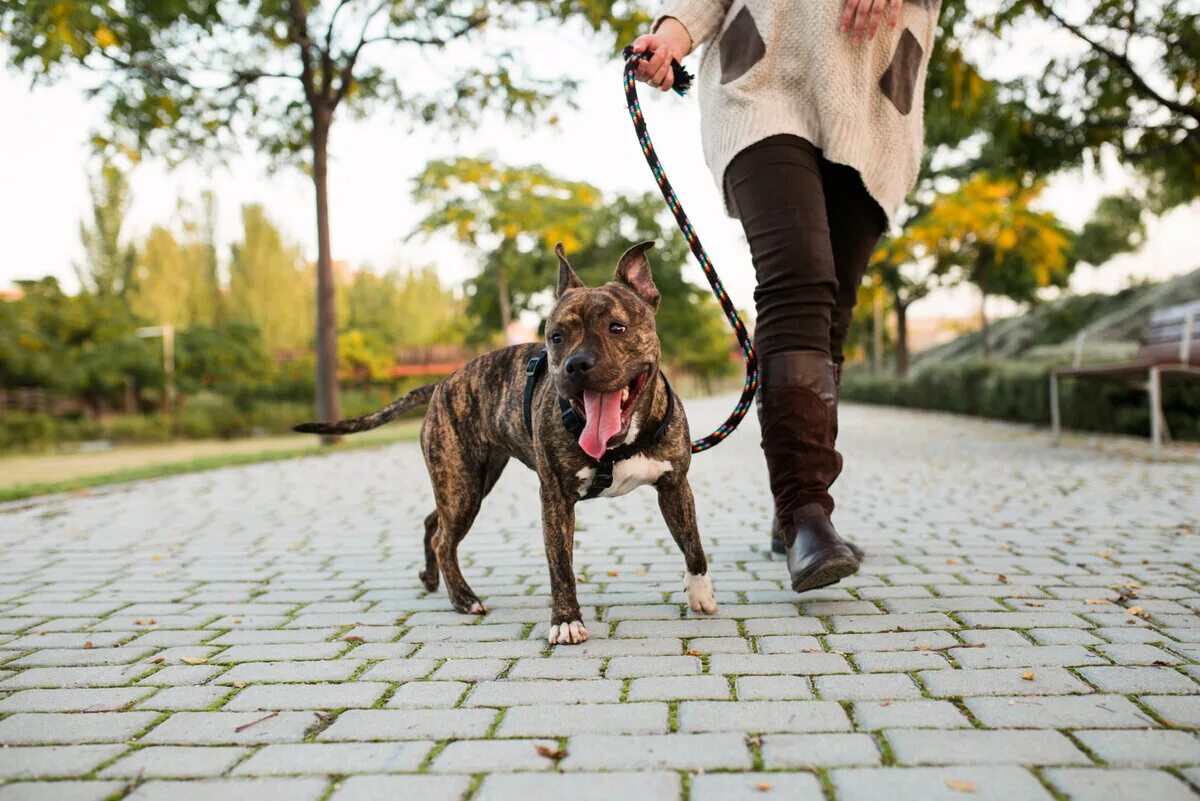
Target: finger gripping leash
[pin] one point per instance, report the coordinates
(682, 82)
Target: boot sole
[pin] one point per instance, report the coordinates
(825, 574)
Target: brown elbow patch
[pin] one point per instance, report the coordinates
(899, 82)
(741, 47)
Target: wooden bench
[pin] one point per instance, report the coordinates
(1170, 343)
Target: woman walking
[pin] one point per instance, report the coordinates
(812, 124)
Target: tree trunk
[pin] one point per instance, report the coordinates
(329, 406)
(505, 302)
(877, 333)
(901, 336)
(983, 327)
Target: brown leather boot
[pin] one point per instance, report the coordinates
(797, 408)
(777, 545)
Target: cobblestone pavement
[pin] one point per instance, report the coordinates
(1025, 627)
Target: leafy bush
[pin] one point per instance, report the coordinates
(1019, 391)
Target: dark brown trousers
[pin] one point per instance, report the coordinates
(812, 227)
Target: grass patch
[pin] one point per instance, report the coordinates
(19, 492)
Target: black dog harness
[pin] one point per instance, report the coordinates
(603, 478)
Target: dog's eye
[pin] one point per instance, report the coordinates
(616, 328)
(556, 338)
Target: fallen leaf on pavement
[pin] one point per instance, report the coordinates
(194, 660)
(613, 573)
(960, 785)
(551, 753)
(1097, 601)
(692, 653)
(762, 787)
(353, 638)
(88, 645)
(1027, 675)
(239, 684)
(158, 660)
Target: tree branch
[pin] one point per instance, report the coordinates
(1123, 63)
(332, 19)
(299, 35)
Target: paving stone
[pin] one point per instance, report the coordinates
(663, 646)
(1140, 749)
(330, 758)
(426, 694)
(564, 721)
(1026, 656)
(284, 652)
(1093, 784)
(425, 788)
(357, 694)
(887, 623)
(819, 750)
(762, 716)
(938, 784)
(1063, 637)
(53, 728)
(679, 688)
(480, 756)
(111, 699)
(175, 699)
(485, 650)
(1178, 710)
(756, 787)
(790, 625)
(181, 675)
(773, 688)
(881, 686)
(774, 664)
(231, 790)
(54, 761)
(666, 751)
(1001, 681)
(1137, 654)
(898, 641)
(876, 715)
(470, 669)
(60, 791)
(975, 747)
(408, 724)
(994, 638)
(677, 628)
(623, 667)
(1128, 680)
(538, 668)
(788, 644)
(1063, 712)
(641, 786)
(221, 728)
(718, 645)
(397, 669)
(900, 661)
(544, 691)
(175, 762)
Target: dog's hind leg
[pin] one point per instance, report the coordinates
(457, 507)
(429, 576)
(679, 511)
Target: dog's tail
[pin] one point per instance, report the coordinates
(413, 400)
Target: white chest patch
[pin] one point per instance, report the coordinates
(628, 475)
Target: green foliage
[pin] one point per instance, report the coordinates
(408, 309)
(1116, 227)
(230, 354)
(110, 263)
(513, 216)
(1019, 391)
(269, 285)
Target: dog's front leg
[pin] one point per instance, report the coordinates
(558, 532)
(679, 510)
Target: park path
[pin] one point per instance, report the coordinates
(1025, 628)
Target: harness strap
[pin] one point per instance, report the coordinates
(603, 477)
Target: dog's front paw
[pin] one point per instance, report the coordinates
(568, 633)
(700, 595)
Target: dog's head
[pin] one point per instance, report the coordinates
(604, 347)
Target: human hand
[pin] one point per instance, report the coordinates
(670, 41)
(860, 18)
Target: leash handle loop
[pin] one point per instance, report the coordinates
(682, 82)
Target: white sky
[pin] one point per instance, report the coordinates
(47, 156)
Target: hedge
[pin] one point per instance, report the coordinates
(1020, 392)
(200, 416)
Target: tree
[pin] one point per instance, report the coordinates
(182, 74)
(906, 278)
(987, 234)
(268, 285)
(1128, 84)
(109, 263)
(513, 216)
(1116, 227)
(413, 308)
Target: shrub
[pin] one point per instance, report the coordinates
(20, 431)
(1019, 391)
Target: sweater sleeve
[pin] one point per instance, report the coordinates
(702, 18)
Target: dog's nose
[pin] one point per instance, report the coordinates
(579, 364)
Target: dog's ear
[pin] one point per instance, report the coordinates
(634, 272)
(567, 279)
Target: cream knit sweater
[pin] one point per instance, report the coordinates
(783, 67)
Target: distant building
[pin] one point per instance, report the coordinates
(11, 294)
(926, 332)
(518, 333)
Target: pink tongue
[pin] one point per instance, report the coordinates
(603, 410)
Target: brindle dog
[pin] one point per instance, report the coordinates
(603, 353)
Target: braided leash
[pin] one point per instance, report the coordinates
(682, 82)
